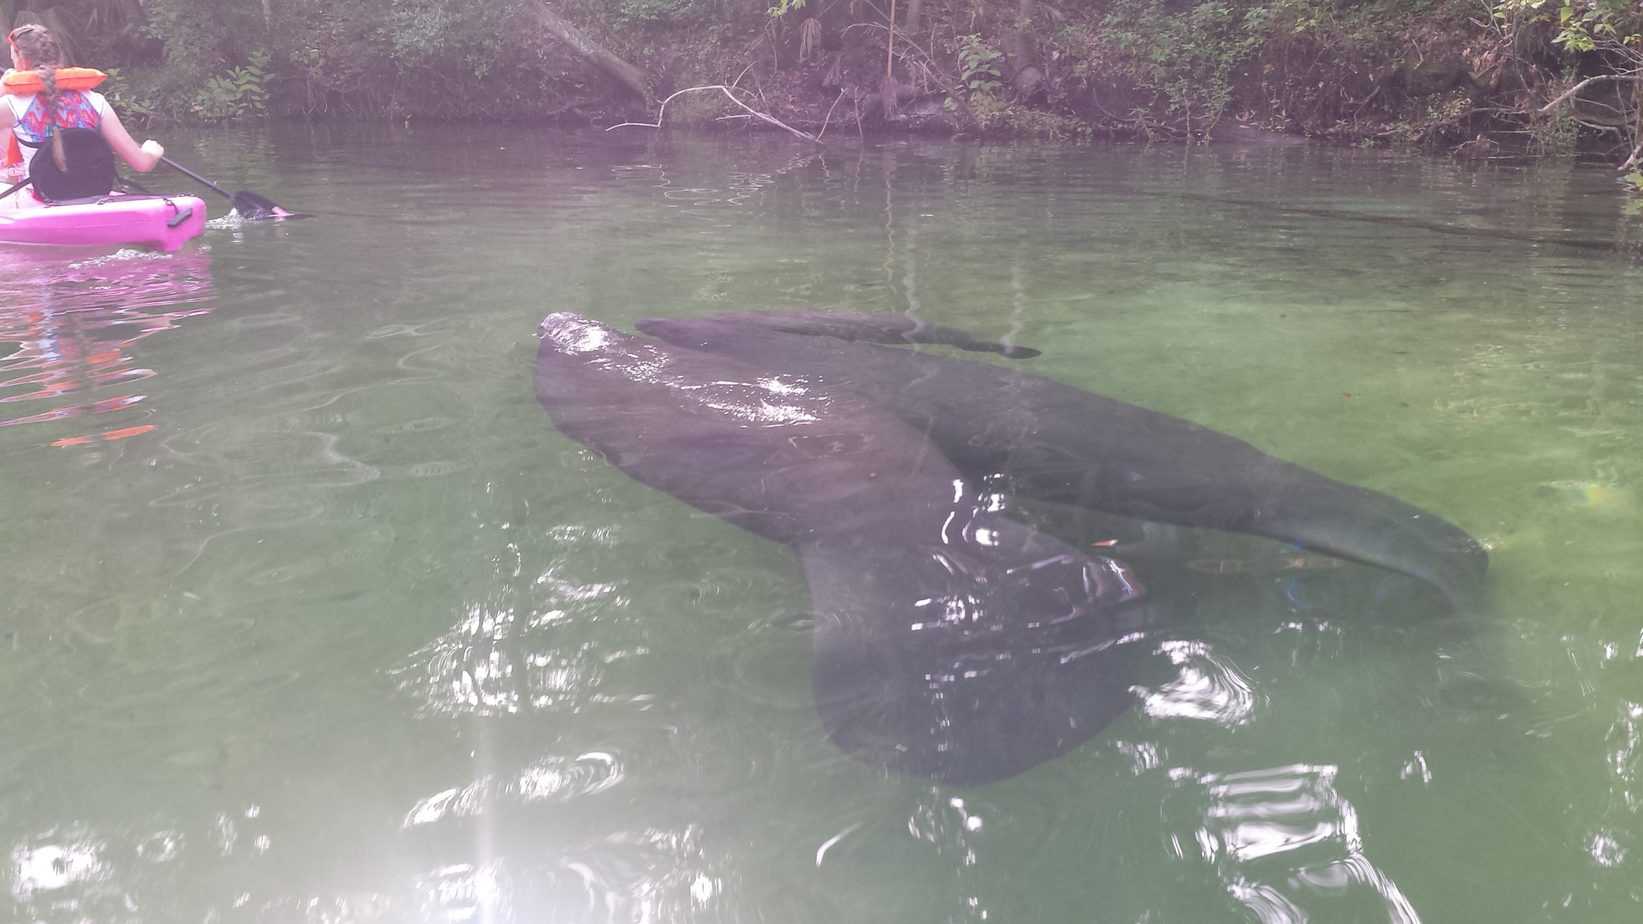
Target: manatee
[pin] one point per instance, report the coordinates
(951, 641)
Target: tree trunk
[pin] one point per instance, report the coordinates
(914, 7)
(1020, 43)
(580, 42)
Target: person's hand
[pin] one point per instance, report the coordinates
(154, 150)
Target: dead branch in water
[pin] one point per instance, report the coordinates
(829, 116)
(662, 111)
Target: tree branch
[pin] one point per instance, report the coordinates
(829, 117)
(732, 97)
(1584, 84)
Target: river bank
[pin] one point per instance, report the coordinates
(1504, 78)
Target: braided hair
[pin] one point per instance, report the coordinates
(45, 56)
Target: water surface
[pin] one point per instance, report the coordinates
(311, 615)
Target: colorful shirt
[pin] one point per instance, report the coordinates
(75, 109)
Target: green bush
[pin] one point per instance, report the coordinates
(241, 93)
(133, 97)
(1187, 59)
(978, 65)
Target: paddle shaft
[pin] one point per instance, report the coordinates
(194, 176)
(251, 206)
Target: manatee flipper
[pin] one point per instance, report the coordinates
(1000, 661)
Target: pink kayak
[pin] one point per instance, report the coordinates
(165, 222)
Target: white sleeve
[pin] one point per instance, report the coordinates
(104, 110)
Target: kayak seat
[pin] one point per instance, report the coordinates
(90, 170)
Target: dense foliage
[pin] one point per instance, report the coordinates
(216, 59)
(1410, 70)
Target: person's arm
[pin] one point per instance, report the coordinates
(141, 158)
(7, 120)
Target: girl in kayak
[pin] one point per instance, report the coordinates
(73, 128)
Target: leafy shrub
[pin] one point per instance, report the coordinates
(132, 97)
(1188, 59)
(978, 65)
(241, 93)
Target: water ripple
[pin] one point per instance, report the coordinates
(1206, 687)
(551, 779)
(497, 659)
(1285, 843)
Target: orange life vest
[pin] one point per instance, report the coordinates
(26, 83)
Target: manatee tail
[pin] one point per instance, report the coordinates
(840, 325)
(1366, 526)
(1286, 503)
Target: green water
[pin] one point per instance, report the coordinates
(311, 615)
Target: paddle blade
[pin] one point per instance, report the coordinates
(253, 207)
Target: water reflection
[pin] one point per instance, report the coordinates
(1610, 846)
(68, 332)
(1285, 844)
(647, 873)
(1206, 687)
(493, 660)
(549, 778)
(53, 863)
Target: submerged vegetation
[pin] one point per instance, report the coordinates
(1479, 76)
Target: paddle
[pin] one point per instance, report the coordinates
(251, 206)
(18, 187)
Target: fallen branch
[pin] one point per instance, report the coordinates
(583, 44)
(829, 117)
(1584, 84)
(662, 111)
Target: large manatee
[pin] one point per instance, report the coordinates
(950, 640)
(1054, 443)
